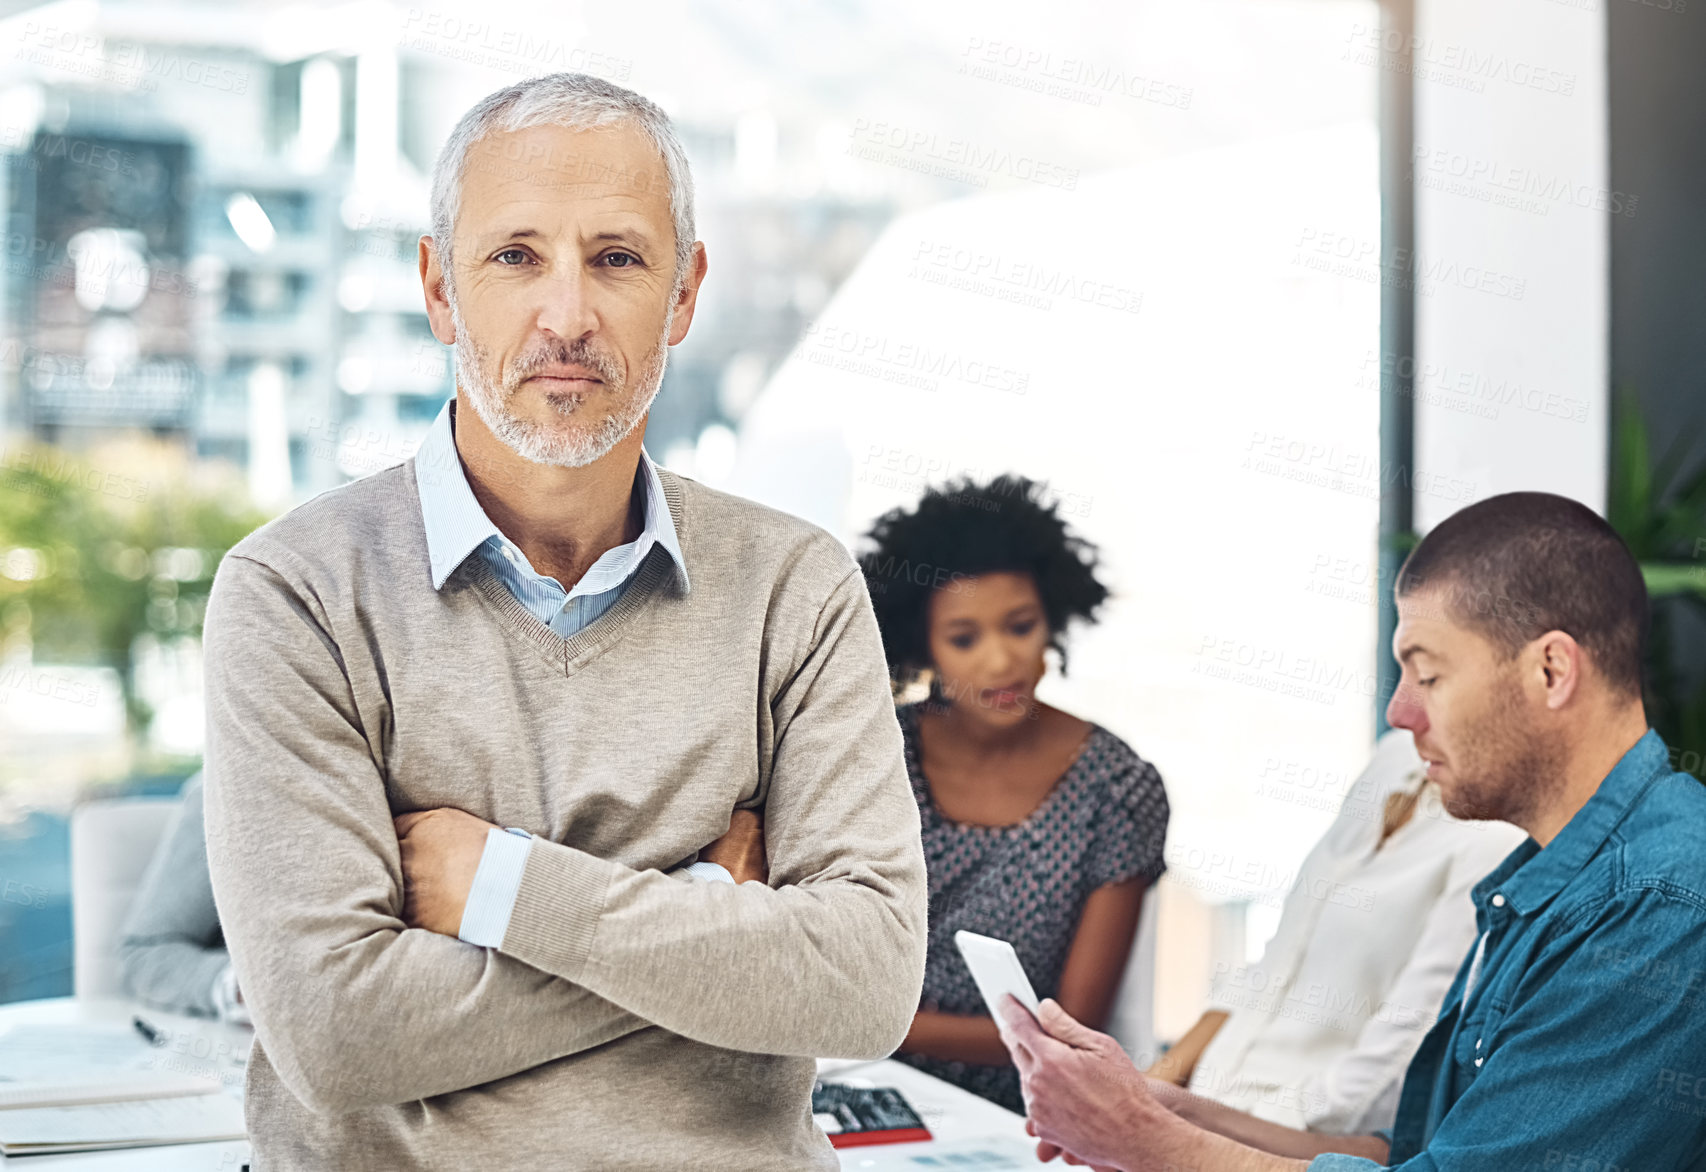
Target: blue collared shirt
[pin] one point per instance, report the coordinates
(1574, 1036)
(457, 528)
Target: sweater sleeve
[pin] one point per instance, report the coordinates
(170, 952)
(826, 961)
(352, 1008)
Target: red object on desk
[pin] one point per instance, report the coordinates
(868, 1115)
(858, 1139)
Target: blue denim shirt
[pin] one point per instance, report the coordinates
(1579, 1044)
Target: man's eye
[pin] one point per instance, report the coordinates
(1427, 682)
(1024, 628)
(628, 259)
(515, 252)
(963, 642)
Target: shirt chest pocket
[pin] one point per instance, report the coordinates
(1475, 1041)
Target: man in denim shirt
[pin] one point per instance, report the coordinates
(1574, 1037)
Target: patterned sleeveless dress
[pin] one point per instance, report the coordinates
(1104, 821)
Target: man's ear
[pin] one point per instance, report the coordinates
(432, 286)
(687, 300)
(1561, 663)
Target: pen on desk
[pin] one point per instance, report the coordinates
(154, 1036)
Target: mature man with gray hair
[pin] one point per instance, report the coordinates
(473, 719)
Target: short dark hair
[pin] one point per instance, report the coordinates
(1520, 564)
(963, 530)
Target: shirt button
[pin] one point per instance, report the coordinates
(1477, 1043)
(1478, 1062)
(1498, 901)
(509, 553)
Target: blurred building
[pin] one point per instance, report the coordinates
(100, 313)
(215, 240)
(181, 255)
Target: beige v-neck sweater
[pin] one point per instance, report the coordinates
(630, 1020)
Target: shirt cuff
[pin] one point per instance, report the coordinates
(558, 907)
(713, 872)
(1337, 1162)
(485, 917)
(226, 1006)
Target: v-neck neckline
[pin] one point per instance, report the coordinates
(567, 654)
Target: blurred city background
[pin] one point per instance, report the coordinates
(1135, 249)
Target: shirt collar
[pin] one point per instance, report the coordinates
(660, 526)
(456, 525)
(1531, 876)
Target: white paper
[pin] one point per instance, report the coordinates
(102, 1088)
(833, 1066)
(37, 1051)
(968, 1155)
(186, 1119)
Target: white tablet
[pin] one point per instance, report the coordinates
(996, 969)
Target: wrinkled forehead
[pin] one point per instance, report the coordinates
(616, 166)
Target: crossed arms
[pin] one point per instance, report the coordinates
(354, 1008)
(442, 849)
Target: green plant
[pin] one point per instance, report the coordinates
(1659, 508)
(97, 551)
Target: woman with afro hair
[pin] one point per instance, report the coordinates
(1039, 828)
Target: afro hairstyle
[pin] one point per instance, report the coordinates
(961, 531)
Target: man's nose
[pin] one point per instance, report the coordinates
(1404, 710)
(568, 310)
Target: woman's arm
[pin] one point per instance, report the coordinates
(1274, 1138)
(1100, 948)
(169, 952)
(1094, 965)
(1176, 1065)
(955, 1037)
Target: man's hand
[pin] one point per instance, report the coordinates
(1083, 1096)
(740, 851)
(441, 853)
(1048, 1151)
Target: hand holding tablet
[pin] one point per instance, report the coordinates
(996, 969)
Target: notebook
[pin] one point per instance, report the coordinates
(104, 1088)
(118, 1109)
(133, 1123)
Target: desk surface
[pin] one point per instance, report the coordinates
(207, 1047)
(192, 1046)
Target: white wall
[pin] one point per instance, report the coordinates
(1187, 349)
(1512, 242)
(1169, 349)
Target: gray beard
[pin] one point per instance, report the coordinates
(561, 446)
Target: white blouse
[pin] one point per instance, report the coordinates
(1322, 1028)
